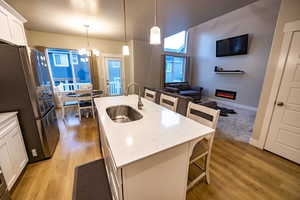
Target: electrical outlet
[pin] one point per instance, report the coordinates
(34, 153)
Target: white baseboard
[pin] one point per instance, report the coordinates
(255, 143)
(234, 104)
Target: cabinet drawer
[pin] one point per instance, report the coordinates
(111, 164)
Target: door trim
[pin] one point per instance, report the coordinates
(289, 29)
(119, 56)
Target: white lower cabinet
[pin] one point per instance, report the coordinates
(160, 176)
(13, 156)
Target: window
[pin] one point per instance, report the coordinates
(61, 60)
(74, 59)
(176, 43)
(175, 69)
(68, 68)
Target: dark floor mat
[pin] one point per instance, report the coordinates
(90, 182)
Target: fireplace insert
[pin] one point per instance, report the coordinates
(227, 94)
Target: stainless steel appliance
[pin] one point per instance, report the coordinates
(25, 87)
(4, 194)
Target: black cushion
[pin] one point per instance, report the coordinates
(189, 92)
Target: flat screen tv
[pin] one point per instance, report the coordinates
(232, 46)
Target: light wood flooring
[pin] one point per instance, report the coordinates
(238, 170)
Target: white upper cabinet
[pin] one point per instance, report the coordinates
(17, 31)
(4, 24)
(11, 23)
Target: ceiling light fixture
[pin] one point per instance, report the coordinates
(125, 46)
(88, 52)
(155, 30)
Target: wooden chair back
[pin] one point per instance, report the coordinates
(150, 95)
(168, 102)
(204, 115)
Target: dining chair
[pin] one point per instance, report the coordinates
(168, 102)
(85, 86)
(208, 117)
(85, 101)
(150, 95)
(66, 103)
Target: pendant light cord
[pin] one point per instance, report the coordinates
(155, 16)
(124, 7)
(87, 37)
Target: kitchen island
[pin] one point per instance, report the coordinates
(147, 158)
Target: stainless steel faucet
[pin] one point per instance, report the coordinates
(140, 104)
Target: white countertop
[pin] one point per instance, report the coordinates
(158, 130)
(7, 115)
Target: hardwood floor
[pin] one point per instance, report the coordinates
(53, 179)
(238, 170)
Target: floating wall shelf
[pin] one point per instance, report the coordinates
(230, 72)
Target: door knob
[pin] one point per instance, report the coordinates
(280, 103)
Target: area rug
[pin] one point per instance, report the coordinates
(90, 182)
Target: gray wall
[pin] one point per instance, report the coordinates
(289, 11)
(146, 63)
(257, 19)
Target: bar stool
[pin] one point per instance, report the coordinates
(168, 102)
(208, 117)
(150, 95)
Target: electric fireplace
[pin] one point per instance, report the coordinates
(227, 94)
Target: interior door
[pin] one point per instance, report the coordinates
(114, 75)
(284, 133)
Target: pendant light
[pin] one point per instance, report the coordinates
(87, 52)
(155, 30)
(125, 46)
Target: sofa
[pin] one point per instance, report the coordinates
(183, 88)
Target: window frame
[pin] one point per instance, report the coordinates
(185, 65)
(69, 52)
(60, 65)
(74, 56)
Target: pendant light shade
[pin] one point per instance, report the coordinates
(125, 50)
(155, 30)
(96, 52)
(155, 35)
(82, 51)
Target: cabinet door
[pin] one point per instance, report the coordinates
(17, 30)
(6, 162)
(4, 24)
(17, 150)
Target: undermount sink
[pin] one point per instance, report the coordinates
(123, 114)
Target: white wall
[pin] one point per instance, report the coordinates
(257, 19)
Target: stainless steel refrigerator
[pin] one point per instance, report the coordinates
(25, 87)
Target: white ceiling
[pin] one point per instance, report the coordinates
(106, 16)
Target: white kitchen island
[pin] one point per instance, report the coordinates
(147, 159)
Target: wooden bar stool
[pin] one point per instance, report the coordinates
(150, 95)
(85, 101)
(208, 117)
(168, 102)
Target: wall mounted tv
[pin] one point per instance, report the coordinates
(232, 46)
